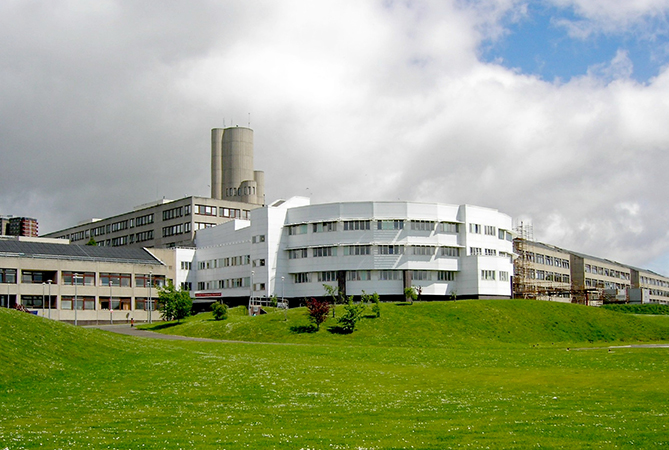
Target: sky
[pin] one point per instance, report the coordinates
(555, 112)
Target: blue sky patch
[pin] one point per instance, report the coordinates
(538, 45)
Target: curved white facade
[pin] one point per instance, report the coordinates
(291, 249)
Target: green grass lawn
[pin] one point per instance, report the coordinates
(412, 383)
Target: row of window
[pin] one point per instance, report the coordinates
(232, 213)
(390, 224)
(174, 230)
(81, 278)
(607, 272)
(118, 241)
(601, 284)
(246, 190)
(242, 260)
(368, 275)
(490, 230)
(230, 283)
(653, 282)
(112, 228)
(549, 276)
(364, 250)
(491, 275)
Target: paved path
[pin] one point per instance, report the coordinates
(134, 331)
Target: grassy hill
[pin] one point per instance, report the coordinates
(428, 376)
(439, 324)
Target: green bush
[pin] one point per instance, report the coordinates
(220, 311)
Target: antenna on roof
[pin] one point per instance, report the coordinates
(223, 122)
(249, 120)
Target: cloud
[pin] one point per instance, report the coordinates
(109, 105)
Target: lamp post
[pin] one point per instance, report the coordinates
(7, 295)
(283, 301)
(49, 281)
(111, 307)
(76, 277)
(150, 301)
(43, 286)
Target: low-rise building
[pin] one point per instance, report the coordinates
(82, 284)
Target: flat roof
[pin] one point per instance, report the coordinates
(45, 250)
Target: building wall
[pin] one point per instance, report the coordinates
(304, 246)
(162, 224)
(23, 291)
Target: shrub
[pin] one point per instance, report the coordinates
(220, 311)
(317, 311)
(351, 316)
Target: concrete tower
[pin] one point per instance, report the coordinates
(232, 174)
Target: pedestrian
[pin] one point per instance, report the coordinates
(132, 322)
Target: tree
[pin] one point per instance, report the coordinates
(410, 293)
(351, 317)
(92, 242)
(336, 296)
(220, 311)
(174, 304)
(317, 310)
(376, 308)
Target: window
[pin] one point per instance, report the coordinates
(258, 263)
(172, 213)
(324, 251)
(422, 225)
(118, 226)
(357, 250)
(422, 250)
(489, 230)
(173, 230)
(391, 250)
(490, 252)
(186, 265)
(258, 286)
(118, 241)
(330, 275)
(488, 275)
(449, 227)
(297, 253)
(475, 251)
(539, 258)
(145, 279)
(390, 224)
(503, 276)
(187, 210)
(143, 304)
(203, 225)
(81, 278)
(205, 210)
(144, 236)
(358, 275)
(302, 277)
(501, 234)
(83, 302)
(258, 239)
(186, 286)
(444, 275)
(98, 231)
(117, 303)
(449, 251)
(297, 229)
(324, 227)
(116, 279)
(352, 225)
(36, 301)
(475, 228)
(387, 275)
(143, 220)
(421, 275)
(7, 275)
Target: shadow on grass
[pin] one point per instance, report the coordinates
(370, 316)
(338, 330)
(403, 304)
(300, 329)
(162, 326)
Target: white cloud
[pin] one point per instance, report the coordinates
(109, 107)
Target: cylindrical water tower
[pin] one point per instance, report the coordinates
(232, 174)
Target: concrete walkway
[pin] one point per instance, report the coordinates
(134, 331)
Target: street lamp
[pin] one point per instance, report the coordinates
(49, 281)
(76, 277)
(150, 301)
(43, 285)
(111, 321)
(283, 301)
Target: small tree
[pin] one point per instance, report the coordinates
(220, 311)
(334, 293)
(317, 311)
(174, 304)
(92, 242)
(351, 317)
(376, 309)
(410, 294)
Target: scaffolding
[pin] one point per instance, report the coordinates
(524, 282)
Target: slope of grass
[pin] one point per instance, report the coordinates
(438, 324)
(648, 308)
(110, 391)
